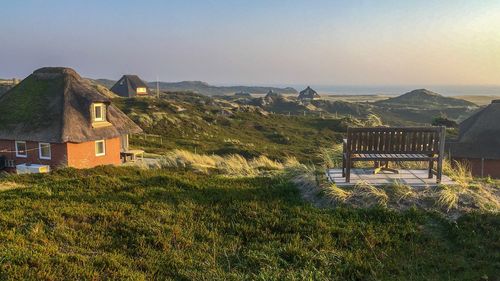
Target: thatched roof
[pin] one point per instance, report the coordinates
(308, 93)
(53, 105)
(127, 86)
(479, 135)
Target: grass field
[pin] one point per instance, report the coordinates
(202, 128)
(125, 223)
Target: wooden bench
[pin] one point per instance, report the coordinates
(385, 144)
(133, 155)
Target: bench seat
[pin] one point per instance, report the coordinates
(392, 157)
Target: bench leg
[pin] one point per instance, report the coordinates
(348, 170)
(439, 170)
(431, 166)
(343, 165)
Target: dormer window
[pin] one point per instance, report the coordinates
(98, 112)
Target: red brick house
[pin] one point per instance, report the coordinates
(56, 118)
(478, 143)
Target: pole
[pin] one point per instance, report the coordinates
(157, 87)
(482, 167)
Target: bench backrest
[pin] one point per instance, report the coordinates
(404, 140)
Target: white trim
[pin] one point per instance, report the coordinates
(103, 147)
(103, 112)
(40, 151)
(25, 155)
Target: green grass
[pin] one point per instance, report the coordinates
(126, 223)
(203, 129)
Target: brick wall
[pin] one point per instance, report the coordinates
(58, 153)
(491, 167)
(77, 155)
(82, 155)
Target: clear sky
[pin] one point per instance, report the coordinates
(257, 41)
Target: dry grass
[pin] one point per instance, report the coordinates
(338, 194)
(331, 157)
(236, 165)
(8, 185)
(468, 194)
(400, 191)
(262, 162)
(448, 197)
(459, 172)
(230, 165)
(365, 194)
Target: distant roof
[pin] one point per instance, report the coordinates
(53, 105)
(127, 86)
(308, 93)
(272, 94)
(479, 135)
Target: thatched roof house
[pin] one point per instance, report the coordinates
(57, 111)
(308, 94)
(479, 141)
(130, 86)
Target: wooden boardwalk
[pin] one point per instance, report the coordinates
(414, 178)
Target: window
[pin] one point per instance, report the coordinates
(44, 151)
(9, 163)
(98, 112)
(100, 148)
(21, 150)
(141, 90)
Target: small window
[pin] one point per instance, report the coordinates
(141, 91)
(99, 112)
(44, 149)
(21, 150)
(100, 148)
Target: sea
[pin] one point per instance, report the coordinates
(446, 90)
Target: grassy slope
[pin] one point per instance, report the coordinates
(250, 134)
(118, 223)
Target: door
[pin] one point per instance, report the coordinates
(124, 143)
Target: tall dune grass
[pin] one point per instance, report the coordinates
(230, 165)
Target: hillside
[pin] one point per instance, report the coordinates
(204, 88)
(277, 126)
(211, 125)
(130, 224)
(423, 98)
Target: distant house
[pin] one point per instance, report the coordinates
(56, 118)
(130, 86)
(479, 142)
(308, 94)
(273, 95)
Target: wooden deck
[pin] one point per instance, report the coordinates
(414, 178)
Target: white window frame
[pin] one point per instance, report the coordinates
(103, 112)
(25, 155)
(40, 151)
(103, 147)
